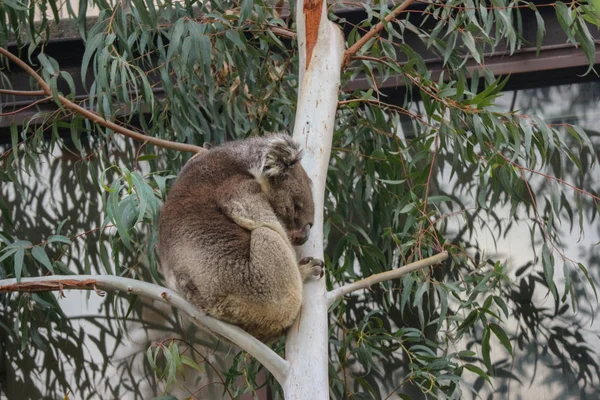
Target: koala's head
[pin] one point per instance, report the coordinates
(287, 186)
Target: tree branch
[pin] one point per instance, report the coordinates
(267, 357)
(35, 103)
(32, 93)
(97, 118)
(375, 30)
(321, 50)
(283, 32)
(335, 294)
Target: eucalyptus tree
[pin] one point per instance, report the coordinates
(400, 184)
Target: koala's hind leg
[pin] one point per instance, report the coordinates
(249, 216)
(270, 292)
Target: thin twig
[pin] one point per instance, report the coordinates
(12, 92)
(335, 294)
(97, 118)
(284, 32)
(25, 107)
(549, 177)
(435, 151)
(541, 221)
(490, 8)
(399, 109)
(375, 30)
(267, 357)
(381, 60)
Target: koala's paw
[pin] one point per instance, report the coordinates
(310, 266)
(239, 214)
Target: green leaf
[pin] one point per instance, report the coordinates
(132, 302)
(191, 363)
(147, 157)
(46, 63)
(540, 33)
(204, 46)
(548, 266)
(161, 182)
(234, 36)
(40, 255)
(81, 20)
(174, 348)
(501, 335)
(175, 41)
(16, 5)
(142, 8)
(564, 18)
(443, 298)
(466, 354)
(584, 137)
(19, 244)
(528, 134)
(92, 45)
(502, 304)
(245, 11)
(470, 43)
(485, 348)
(7, 253)
(589, 279)
(468, 322)
(171, 366)
(150, 357)
(478, 371)
(69, 79)
(18, 263)
(407, 208)
(407, 283)
(418, 301)
(586, 40)
(58, 238)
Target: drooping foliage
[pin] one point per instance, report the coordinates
(438, 167)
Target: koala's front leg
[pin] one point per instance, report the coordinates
(252, 211)
(309, 266)
(243, 214)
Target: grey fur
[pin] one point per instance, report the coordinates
(227, 229)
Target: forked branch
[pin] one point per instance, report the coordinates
(267, 357)
(335, 294)
(375, 30)
(94, 117)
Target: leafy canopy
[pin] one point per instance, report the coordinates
(409, 177)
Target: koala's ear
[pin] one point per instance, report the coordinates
(281, 154)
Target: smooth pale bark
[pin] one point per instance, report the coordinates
(319, 77)
(397, 273)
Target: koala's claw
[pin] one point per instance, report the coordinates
(310, 266)
(305, 260)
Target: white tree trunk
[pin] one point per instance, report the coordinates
(319, 82)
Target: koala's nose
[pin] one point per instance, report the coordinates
(300, 236)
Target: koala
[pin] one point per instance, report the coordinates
(227, 231)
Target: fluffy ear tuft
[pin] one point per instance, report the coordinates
(281, 154)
